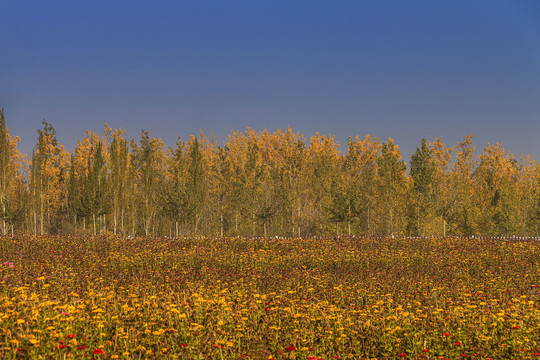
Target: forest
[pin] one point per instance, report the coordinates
(264, 184)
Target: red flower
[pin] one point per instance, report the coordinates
(402, 355)
(457, 343)
(71, 336)
(446, 334)
(290, 348)
(19, 349)
(82, 347)
(61, 346)
(425, 350)
(98, 351)
(515, 327)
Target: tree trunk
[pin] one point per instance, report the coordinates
(221, 223)
(114, 225)
(253, 223)
(41, 219)
(41, 206)
(133, 223)
(368, 222)
(349, 220)
(444, 227)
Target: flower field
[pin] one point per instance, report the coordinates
(238, 298)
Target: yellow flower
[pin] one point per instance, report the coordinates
(20, 321)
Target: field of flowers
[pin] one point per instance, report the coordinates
(239, 298)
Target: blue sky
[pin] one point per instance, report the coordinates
(404, 69)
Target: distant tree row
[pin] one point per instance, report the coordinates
(264, 183)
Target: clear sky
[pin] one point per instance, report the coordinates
(404, 69)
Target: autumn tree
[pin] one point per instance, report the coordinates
(253, 180)
(531, 196)
(465, 211)
(13, 192)
(148, 163)
(361, 167)
(392, 185)
(265, 183)
(496, 186)
(443, 194)
(423, 176)
(97, 186)
(194, 186)
(323, 154)
(77, 201)
(174, 194)
(119, 178)
(236, 156)
(290, 173)
(48, 180)
(342, 202)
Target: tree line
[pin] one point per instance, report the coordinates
(264, 183)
